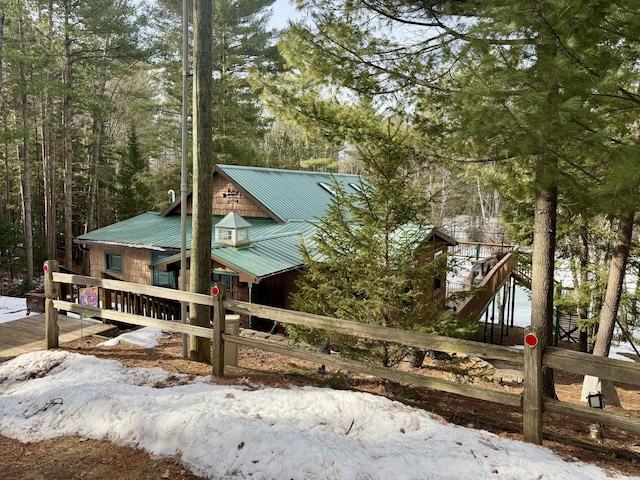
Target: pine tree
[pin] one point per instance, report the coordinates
(544, 89)
(134, 191)
(370, 261)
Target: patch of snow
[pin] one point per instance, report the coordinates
(232, 432)
(12, 309)
(146, 337)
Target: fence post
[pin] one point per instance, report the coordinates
(51, 291)
(218, 291)
(232, 327)
(532, 396)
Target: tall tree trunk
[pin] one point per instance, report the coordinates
(98, 123)
(90, 222)
(4, 198)
(49, 180)
(26, 164)
(48, 162)
(609, 313)
(200, 277)
(583, 307)
(546, 203)
(544, 240)
(68, 146)
(98, 128)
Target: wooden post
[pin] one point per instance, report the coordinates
(232, 327)
(218, 291)
(106, 301)
(532, 396)
(51, 291)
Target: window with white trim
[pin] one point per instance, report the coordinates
(224, 234)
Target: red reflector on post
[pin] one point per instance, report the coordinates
(215, 291)
(531, 340)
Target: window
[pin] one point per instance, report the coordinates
(167, 279)
(224, 234)
(113, 262)
(160, 278)
(437, 285)
(242, 234)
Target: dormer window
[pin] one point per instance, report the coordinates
(233, 230)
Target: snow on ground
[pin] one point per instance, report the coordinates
(235, 432)
(238, 432)
(12, 308)
(145, 337)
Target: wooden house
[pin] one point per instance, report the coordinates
(261, 218)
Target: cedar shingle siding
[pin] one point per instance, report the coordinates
(227, 197)
(135, 262)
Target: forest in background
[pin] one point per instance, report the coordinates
(521, 110)
(90, 122)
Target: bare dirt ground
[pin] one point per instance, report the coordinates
(74, 457)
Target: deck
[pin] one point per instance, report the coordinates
(28, 334)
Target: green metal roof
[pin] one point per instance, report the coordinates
(263, 258)
(289, 194)
(151, 230)
(148, 230)
(274, 248)
(295, 198)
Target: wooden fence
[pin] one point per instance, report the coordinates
(533, 358)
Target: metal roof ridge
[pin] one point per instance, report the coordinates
(306, 172)
(277, 235)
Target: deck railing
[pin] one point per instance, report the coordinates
(485, 291)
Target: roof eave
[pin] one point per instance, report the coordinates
(146, 246)
(452, 242)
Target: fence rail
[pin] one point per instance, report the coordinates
(532, 358)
